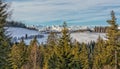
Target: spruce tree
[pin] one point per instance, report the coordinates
(41, 57)
(52, 39)
(112, 42)
(63, 56)
(34, 55)
(64, 49)
(90, 49)
(4, 40)
(18, 55)
(84, 56)
(65, 39)
(52, 42)
(76, 51)
(99, 56)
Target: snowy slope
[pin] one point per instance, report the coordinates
(19, 32)
(87, 36)
(80, 37)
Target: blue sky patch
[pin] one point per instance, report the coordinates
(74, 12)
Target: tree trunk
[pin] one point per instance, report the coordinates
(116, 60)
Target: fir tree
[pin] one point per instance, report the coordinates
(65, 40)
(52, 42)
(41, 57)
(52, 39)
(99, 56)
(18, 55)
(84, 56)
(112, 42)
(33, 55)
(76, 51)
(4, 40)
(63, 57)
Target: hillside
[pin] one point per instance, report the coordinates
(18, 33)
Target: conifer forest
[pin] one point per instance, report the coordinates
(59, 52)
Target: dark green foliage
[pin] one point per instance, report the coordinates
(52, 39)
(64, 61)
(112, 42)
(99, 54)
(65, 39)
(52, 60)
(15, 24)
(84, 56)
(34, 55)
(4, 40)
(63, 58)
(18, 55)
(90, 50)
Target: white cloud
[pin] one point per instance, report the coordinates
(65, 10)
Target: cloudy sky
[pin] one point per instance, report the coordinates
(55, 12)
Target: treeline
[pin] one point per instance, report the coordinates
(18, 24)
(60, 52)
(100, 29)
(15, 24)
(26, 37)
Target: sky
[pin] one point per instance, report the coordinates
(55, 12)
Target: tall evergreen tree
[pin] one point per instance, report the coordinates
(63, 58)
(76, 51)
(4, 40)
(18, 55)
(33, 55)
(65, 39)
(52, 39)
(84, 56)
(90, 49)
(52, 42)
(42, 56)
(112, 42)
(99, 56)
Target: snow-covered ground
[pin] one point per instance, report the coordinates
(87, 36)
(17, 33)
(80, 37)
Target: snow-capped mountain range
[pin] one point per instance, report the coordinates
(59, 27)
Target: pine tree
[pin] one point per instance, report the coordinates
(42, 53)
(76, 51)
(52, 39)
(99, 56)
(65, 40)
(4, 40)
(112, 42)
(34, 55)
(64, 49)
(47, 55)
(18, 55)
(90, 49)
(63, 57)
(52, 62)
(84, 56)
(52, 42)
